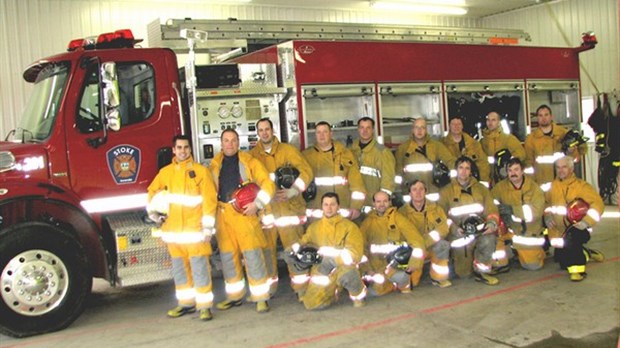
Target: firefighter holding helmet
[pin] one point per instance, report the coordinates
(462, 144)
(473, 220)
(335, 170)
(544, 146)
(573, 208)
(341, 247)
(416, 157)
(521, 204)
(182, 199)
(376, 162)
(385, 231)
(431, 221)
(239, 232)
(292, 175)
(495, 141)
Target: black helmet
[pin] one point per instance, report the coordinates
(473, 225)
(286, 176)
(307, 256)
(310, 192)
(572, 138)
(441, 174)
(400, 256)
(501, 164)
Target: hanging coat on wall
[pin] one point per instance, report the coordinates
(607, 129)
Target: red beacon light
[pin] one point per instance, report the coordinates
(588, 38)
(119, 39)
(75, 44)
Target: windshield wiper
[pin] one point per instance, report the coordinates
(24, 131)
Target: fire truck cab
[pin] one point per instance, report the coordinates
(96, 130)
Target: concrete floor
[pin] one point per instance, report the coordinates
(527, 309)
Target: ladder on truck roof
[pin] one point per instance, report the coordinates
(224, 35)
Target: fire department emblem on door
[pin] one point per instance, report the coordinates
(124, 163)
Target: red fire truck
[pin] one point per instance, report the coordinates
(96, 130)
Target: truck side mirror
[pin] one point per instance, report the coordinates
(111, 96)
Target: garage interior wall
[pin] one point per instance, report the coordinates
(33, 29)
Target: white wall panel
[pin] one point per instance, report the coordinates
(33, 29)
(545, 23)
(573, 18)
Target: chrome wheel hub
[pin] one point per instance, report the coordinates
(34, 282)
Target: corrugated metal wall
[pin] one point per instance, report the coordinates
(32, 29)
(573, 18)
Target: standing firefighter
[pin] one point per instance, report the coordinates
(474, 221)
(573, 208)
(340, 245)
(495, 142)
(184, 190)
(544, 146)
(239, 232)
(431, 221)
(460, 144)
(415, 159)
(288, 206)
(335, 170)
(376, 162)
(521, 203)
(394, 246)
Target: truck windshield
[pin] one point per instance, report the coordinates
(41, 110)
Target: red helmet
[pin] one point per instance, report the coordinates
(576, 210)
(244, 195)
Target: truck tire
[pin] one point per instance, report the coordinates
(45, 279)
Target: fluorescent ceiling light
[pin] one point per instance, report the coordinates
(418, 7)
(434, 2)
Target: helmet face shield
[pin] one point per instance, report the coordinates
(473, 225)
(310, 193)
(501, 164)
(571, 139)
(441, 174)
(286, 176)
(307, 256)
(400, 256)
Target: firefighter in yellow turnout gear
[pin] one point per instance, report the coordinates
(415, 158)
(462, 144)
(544, 146)
(335, 170)
(341, 245)
(462, 198)
(431, 221)
(185, 192)
(239, 234)
(385, 230)
(568, 237)
(521, 204)
(288, 206)
(494, 139)
(376, 162)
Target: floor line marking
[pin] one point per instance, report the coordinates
(314, 339)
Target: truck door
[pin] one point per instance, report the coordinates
(111, 169)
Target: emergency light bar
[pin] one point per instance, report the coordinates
(119, 39)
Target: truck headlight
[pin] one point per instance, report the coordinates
(7, 161)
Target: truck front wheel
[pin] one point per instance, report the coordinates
(45, 279)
